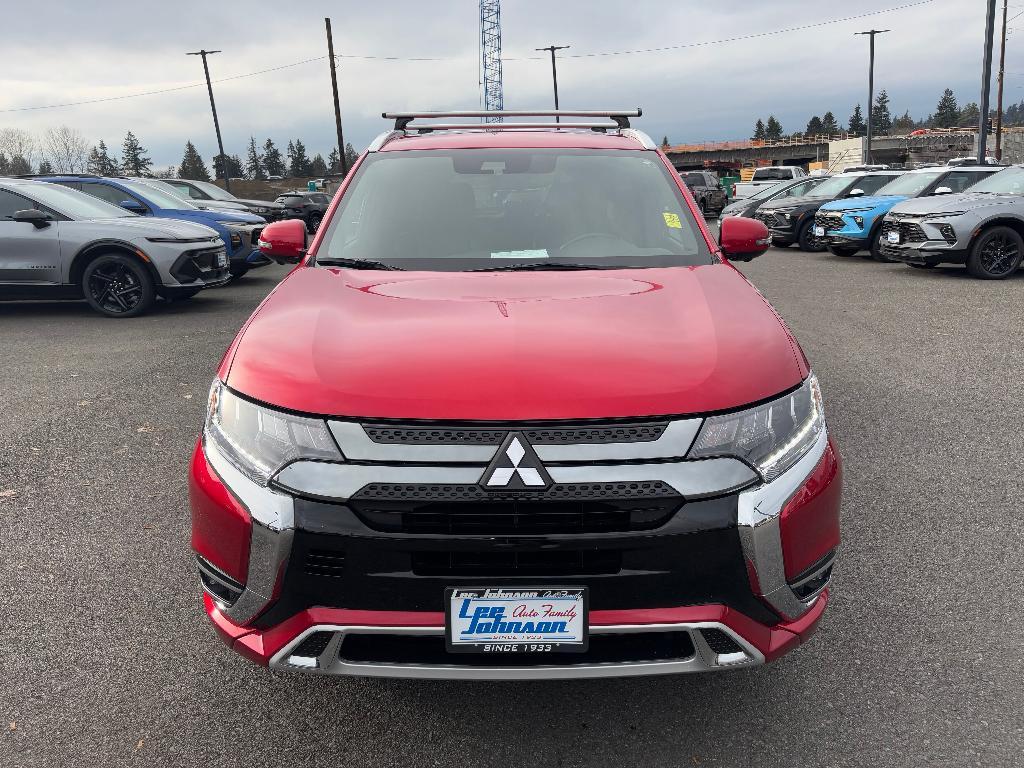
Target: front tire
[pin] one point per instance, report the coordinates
(843, 250)
(116, 285)
(314, 222)
(876, 248)
(808, 242)
(996, 254)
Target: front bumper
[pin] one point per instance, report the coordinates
(928, 252)
(243, 247)
(317, 585)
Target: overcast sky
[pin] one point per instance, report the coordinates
(79, 51)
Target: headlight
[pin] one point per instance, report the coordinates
(943, 215)
(771, 437)
(231, 224)
(260, 441)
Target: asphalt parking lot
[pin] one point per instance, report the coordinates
(106, 657)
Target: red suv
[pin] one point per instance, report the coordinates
(514, 415)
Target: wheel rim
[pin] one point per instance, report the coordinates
(1000, 255)
(314, 222)
(115, 288)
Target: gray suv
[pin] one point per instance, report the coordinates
(56, 242)
(982, 228)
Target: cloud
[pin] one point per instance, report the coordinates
(707, 92)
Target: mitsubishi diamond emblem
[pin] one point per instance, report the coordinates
(515, 467)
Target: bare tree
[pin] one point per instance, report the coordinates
(16, 143)
(66, 149)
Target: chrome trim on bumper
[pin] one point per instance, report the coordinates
(703, 660)
(691, 479)
(273, 522)
(355, 444)
(759, 512)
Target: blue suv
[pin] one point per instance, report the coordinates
(854, 224)
(239, 231)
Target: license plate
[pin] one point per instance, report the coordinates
(222, 259)
(819, 231)
(893, 237)
(516, 620)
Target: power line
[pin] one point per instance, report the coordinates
(739, 38)
(371, 57)
(162, 90)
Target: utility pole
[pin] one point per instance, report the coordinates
(216, 123)
(999, 90)
(871, 86)
(554, 71)
(986, 78)
(337, 106)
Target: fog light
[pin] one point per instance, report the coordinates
(236, 241)
(859, 221)
(947, 233)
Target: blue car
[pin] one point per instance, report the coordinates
(239, 231)
(854, 223)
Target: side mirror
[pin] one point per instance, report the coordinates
(134, 206)
(856, 192)
(943, 191)
(38, 219)
(743, 239)
(284, 241)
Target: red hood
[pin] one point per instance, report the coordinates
(527, 345)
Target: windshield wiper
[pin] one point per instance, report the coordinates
(355, 264)
(541, 266)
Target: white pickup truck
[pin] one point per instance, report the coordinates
(766, 177)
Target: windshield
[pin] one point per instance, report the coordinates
(76, 205)
(911, 185)
(767, 174)
(497, 208)
(214, 191)
(834, 187)
(1006, 182)
(156, 194)
(801, 189)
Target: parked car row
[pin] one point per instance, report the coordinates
(121, 242)
(957, 214)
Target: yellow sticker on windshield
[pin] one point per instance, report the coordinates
(672, 220)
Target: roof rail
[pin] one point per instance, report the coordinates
(619, 117)
(55, 173)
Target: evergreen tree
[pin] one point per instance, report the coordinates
(829, 124)
(135, 160)
(5, 165)
(254, 162)
(857, 126)
(664, 142)
(880, 118)
(290, 156)
(334, 161)
(299, 166)
(101, 162)
(19, 166)
(272, 162)
(192, 165)
(946, 112)
(233, 169)
(758, 130)
(45, 167)
(773, 129)
(969, 116)
(350, 155)
(815, 126)
(318, 166)
(903, 125)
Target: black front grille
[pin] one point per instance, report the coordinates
(829, 221)
(469, 510)
(910, 231)
(516, 563)
(430, 649)
(719, 642)
(605, 433)
(255, 240)
(769, 219)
